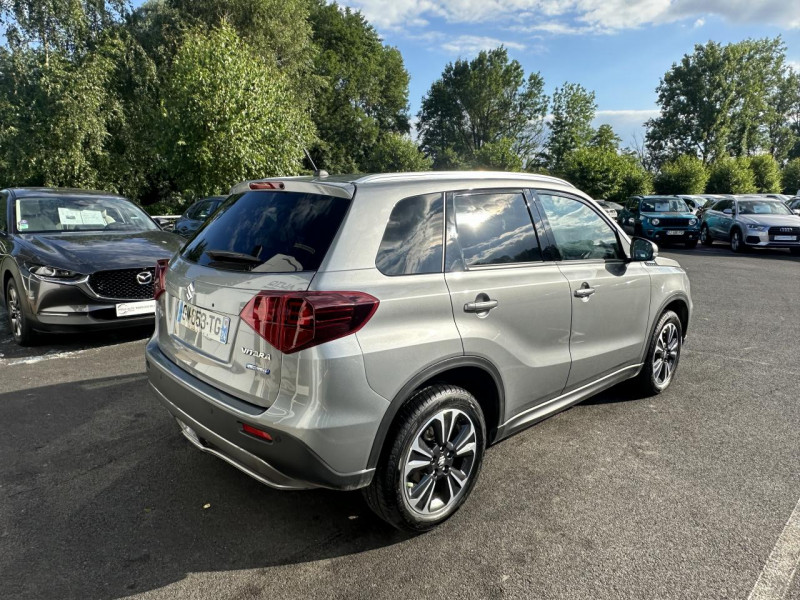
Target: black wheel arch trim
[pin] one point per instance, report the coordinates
(421, 377)
(669, 300)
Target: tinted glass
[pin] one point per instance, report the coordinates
(495, 228)
(412, 242)
(664, 205)
(579, 232)
(722, 205)
(269, 232)
(633, 204)
(203, 209)
(763, 207)
(56, 214)
(3, 212)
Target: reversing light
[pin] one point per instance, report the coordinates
(267, 185)
(250, 430)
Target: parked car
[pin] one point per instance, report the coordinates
(751, 221)
(661, 218)
(313, 336)
(612, 208)
(72, 260)
(695, 203)
(794, 205)
(194, 216)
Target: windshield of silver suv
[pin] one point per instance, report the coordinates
(269, 232)
(664, 205)
(762, 207)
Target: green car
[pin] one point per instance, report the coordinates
(662, 219)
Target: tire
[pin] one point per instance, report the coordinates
(705, 236)
(692, 244)
(415, 487)
(737, 243)
(18, 321)
(651, 379)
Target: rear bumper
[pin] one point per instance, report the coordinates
(212, 420)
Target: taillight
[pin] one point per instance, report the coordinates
(159, 278)
(292, 321)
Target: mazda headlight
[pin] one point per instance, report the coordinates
(757, 227)
(53, 272)
(655, 221)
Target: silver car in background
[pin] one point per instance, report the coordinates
(380, 331)
(751, 222)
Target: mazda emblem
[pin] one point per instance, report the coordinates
(144, 277)
(190, 291)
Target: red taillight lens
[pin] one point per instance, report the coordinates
(267, 185)
(292, 321)
(159, 278)
(250, 430)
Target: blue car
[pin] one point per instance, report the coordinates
(662, 219)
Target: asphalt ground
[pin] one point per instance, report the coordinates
(678, 496)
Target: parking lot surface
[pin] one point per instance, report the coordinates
(679, 496)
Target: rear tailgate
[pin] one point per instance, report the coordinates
(259, 241)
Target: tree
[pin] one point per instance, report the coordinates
(364, 95)
(605, 137)
(683, 175)
(482, 101)
(498, 156)
(731, 176)
(790, 177)
(571, 123)
(397, 153)
(228, 115)
(766, 173)
(604, 173)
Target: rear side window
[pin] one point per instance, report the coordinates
(495, 228)
(3, 212)
(269, 232)
(412, 242)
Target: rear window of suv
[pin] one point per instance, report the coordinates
(269, 232)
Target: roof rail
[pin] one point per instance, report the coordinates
(445, 175)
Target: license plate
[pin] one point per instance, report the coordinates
(674, 232)
(130, 309)
(785, 238)
(208, 324)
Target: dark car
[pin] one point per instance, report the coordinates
(663, 219)
(191, 220)
(72, 260)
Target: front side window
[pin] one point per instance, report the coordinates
(722, 205)
(412, 241)
(57, 214)
(495, 228)
(579, 232)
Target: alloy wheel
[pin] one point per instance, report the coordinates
(735, 241)
(665, 356)
(14, 312)
(439, 463)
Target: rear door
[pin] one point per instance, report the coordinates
(268, 240)
(610, 297)
(718, 222)
(511, 306)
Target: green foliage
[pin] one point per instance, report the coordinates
(397, 153)
(604, 173)
(766, 173)
(605, 137)
(790, 177)
(228, 116)
(364, 94)
(731, 176)
(478, 102)
(684, 175)
(498, 156)
(734, 99)
(571, 124)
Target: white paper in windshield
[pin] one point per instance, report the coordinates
(662, 206)
(71, 216)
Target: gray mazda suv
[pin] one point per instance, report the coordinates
(380, 331)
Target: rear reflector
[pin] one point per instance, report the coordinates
(267, 185)
(292, 321)
(160, 277)
(263, 435)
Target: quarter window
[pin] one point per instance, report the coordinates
(412, 242)
(579, 232)
(495, 228)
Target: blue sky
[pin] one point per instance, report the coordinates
(618, 48)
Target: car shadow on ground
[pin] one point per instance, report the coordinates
(104, 498)
(719, 249)
(52, 343)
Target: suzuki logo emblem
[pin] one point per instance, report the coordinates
(144, 277)
(190, 291)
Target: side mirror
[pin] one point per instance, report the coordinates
(643, 250)
(728, 211)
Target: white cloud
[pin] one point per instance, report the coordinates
(794, 64)
(472, 44)
(699, 23)
(577, 16)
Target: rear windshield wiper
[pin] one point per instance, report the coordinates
(230, 256)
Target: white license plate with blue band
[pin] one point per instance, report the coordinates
(674, 232)
(208, 324)
(785, 238)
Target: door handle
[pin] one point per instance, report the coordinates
(480, 306)
(584, 291)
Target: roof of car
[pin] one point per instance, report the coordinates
(22, 192)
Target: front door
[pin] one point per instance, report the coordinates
(610, 297)
(510, 305)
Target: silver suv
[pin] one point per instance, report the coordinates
(381, 331)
